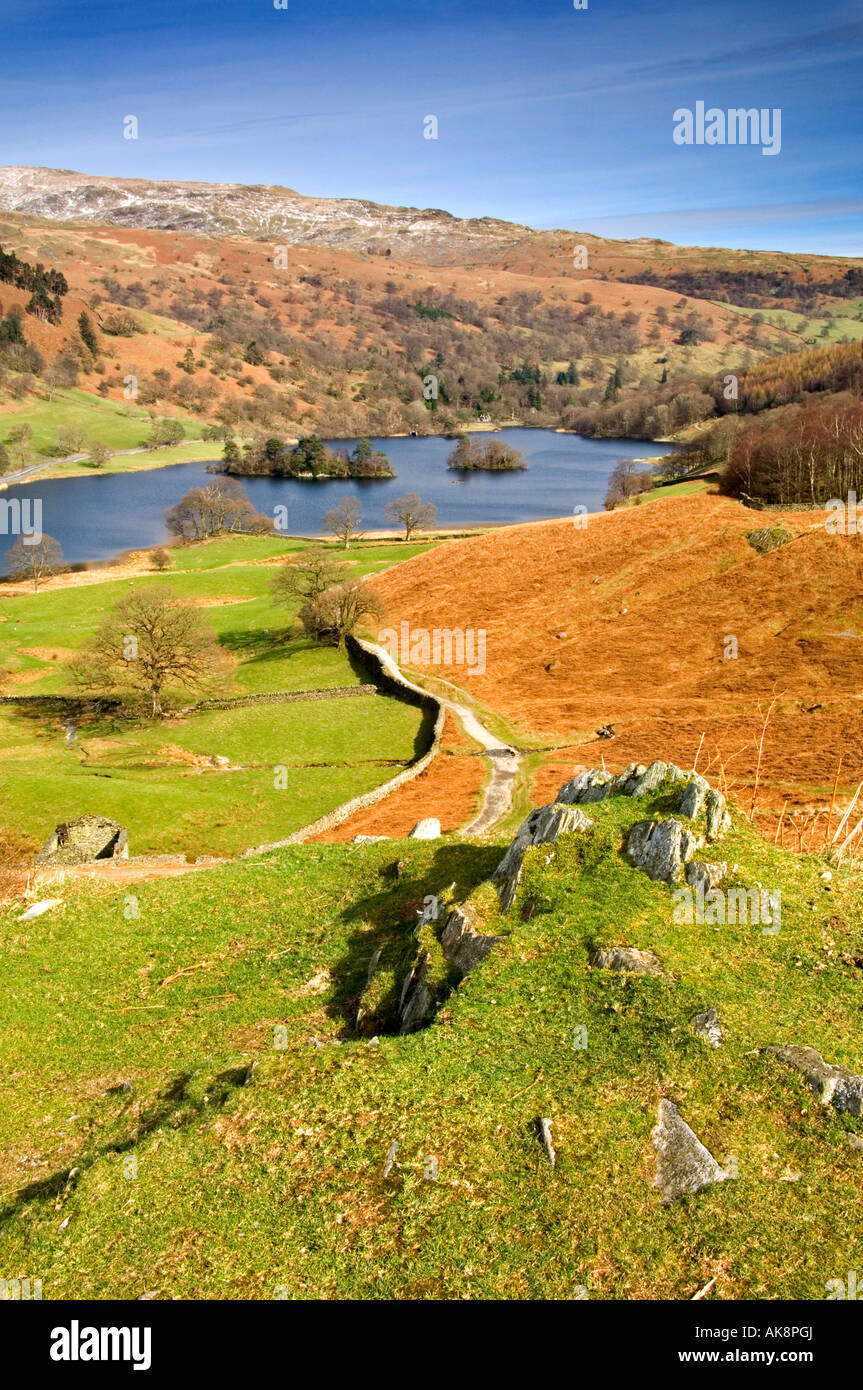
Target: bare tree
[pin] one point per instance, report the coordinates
(52, 379)
(626, 482)
(71, 439)
(36, 562)
(99, 453)
(412, 513)
(214, 510)
(20, 443)
(307, 575)
(344, 520)
(334, 614)
(149, 643)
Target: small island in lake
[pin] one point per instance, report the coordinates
(493, 457)
(309, 458)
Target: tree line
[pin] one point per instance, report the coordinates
(309, 458)
(809, 455)
(46, 286)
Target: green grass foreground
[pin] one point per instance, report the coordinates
(193, 1185)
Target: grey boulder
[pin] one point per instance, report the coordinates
(625, 958)
(707, 1026)
(661, 848)
(426, 829)
(833, 1085)
(702, 876)
(84, 840)
(683, 1164)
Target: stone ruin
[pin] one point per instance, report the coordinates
(85, 840)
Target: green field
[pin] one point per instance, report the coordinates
(119, 425)
(819, 331)
(194, 1185)
(688, 489)
(333, 749)
(198, 452)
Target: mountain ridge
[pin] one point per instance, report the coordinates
(230, 209)
(434, 236)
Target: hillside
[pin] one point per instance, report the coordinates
(201, 1117)
(429, 236)
(262, 310)
(344, 341)
(625, 623)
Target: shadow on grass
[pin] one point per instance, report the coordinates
(265, 644)
(384, 923)
(173, 1105)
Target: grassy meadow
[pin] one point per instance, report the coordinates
(145, 774)
(119, 424)
(202, 1179)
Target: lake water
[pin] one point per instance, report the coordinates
(97, 516)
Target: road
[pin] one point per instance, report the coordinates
(20, 474)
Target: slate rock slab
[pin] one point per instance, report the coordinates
(694, 795)
(463, 941)
(683, 1164)
(661, 848)
(833, 1085)
(415, 1001)
(718, 819)
(627, 959)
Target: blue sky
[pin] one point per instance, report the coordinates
(547, 115)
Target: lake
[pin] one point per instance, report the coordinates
(97, 516)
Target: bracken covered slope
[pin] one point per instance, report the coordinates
(626, 622)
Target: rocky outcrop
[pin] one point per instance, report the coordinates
(637, 780)
(542, 827)
(464, 942)
(833, 1085)
(625, 958)
(662, 849)
(683, 1164)
(84, 840)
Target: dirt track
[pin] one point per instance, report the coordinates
(449, 789)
